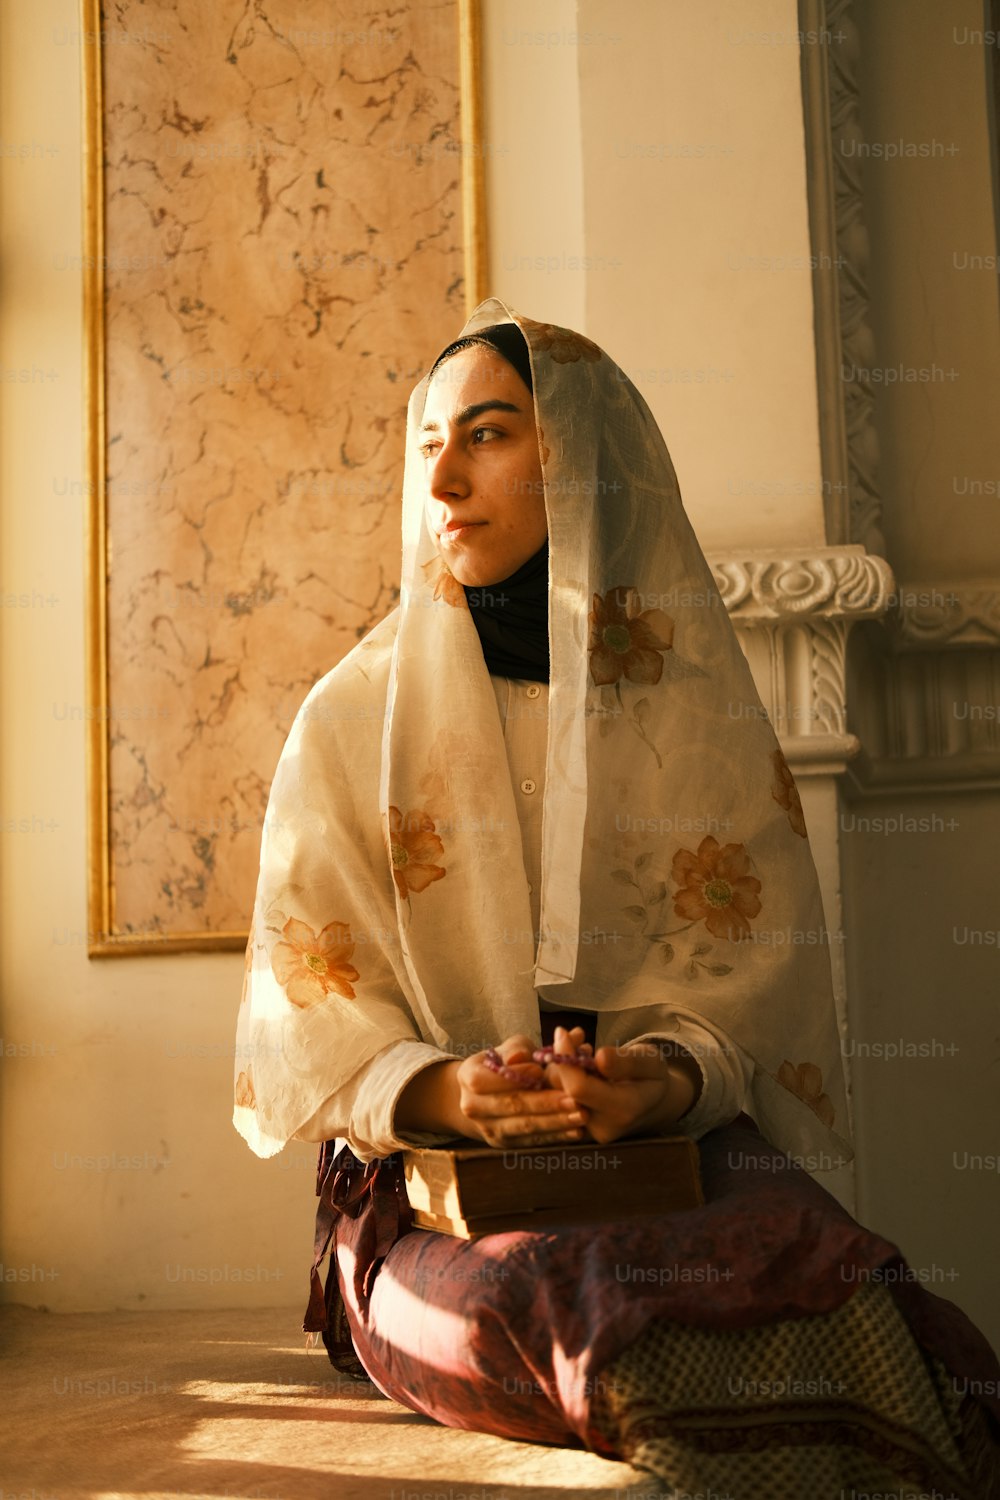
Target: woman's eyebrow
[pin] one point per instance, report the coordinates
(469, 414)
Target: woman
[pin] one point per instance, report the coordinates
(542, 801)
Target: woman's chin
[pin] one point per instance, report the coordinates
(475, 576)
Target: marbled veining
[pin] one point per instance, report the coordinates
(283, 257)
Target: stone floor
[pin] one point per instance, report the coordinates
(187, 1404)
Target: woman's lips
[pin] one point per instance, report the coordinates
(457, 531)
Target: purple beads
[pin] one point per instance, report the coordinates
(542, 1056)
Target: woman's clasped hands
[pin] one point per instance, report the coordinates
(637, 1089)
(504, 1114)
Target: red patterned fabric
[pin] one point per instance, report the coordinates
(510, 1333)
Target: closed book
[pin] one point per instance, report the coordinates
(472, 1190)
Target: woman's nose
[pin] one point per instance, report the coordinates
(448, 477)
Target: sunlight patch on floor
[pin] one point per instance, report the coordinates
(392, 1449)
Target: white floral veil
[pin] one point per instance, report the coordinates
(676, 876)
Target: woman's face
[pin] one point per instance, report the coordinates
(485, 497)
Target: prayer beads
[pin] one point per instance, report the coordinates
(543, 1056)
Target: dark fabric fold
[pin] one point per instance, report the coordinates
(512, 620)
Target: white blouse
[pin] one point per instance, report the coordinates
(362, 1112)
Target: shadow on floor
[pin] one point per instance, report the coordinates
(213, 1404)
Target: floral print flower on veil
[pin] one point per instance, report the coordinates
(716, 887)
(626, 641)
(446, 585)
(245, 1096)
(565, 346)
(413, 848)
(247, 964)
(308, 966)
(806, 1083)
(786, 793)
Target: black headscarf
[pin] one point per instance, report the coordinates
(508, 341)
(512, 617)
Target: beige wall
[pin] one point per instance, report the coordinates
(696, 182)
(934, 287)
(683, 245)
(924, 973)
(930, 1124)
(533, 159)
(123, 1183)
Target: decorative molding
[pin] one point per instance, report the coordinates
(942, 615)
(829, 581)
(844, 340)
(929, 719)
(799, 667)
(913, 706)
(793, 614)
(828, 675)
(820, 754)
(933, 660)
(922, 775)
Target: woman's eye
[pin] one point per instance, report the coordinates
(478, 436)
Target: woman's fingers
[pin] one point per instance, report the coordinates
(587, 1092)
(521, 1048)
(516, 1118)
(618, 1062)
(527, 1130)
(548, 1106)
(533, 1131)
(505, 1133)
(516, 1048)
(564, 1078)
(478, 1077)
(568, 1042)
(485, 1080)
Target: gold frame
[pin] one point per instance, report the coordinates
(473, 177)
(103, 941)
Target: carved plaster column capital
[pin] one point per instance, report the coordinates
(792, 612)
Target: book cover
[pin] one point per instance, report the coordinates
(468, 1190)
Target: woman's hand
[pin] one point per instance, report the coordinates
(468, 1098)
(501, 1114)
(642, 1090)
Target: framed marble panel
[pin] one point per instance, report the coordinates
(283, 220)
